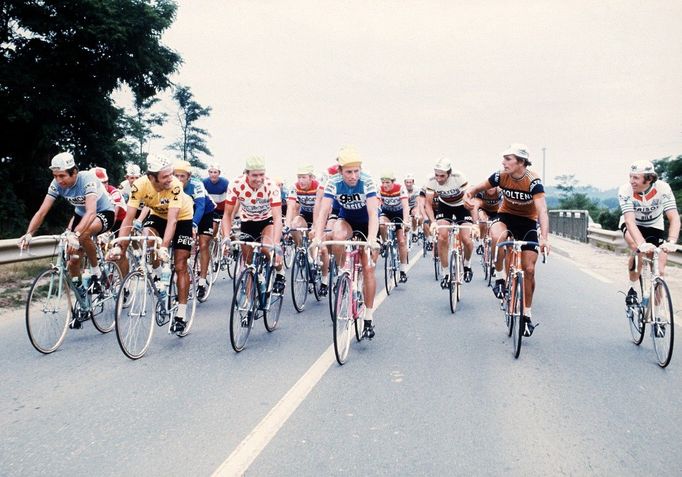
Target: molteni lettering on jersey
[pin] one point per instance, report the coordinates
(517, 195)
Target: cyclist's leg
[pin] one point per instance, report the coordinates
(383, 220)
(298, 222)
(402, 242)
(342, 231)
(498, 233)
(442, 244)
(205, 234)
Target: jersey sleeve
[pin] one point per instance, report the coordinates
(232, 194)
(136, 193)
(275, 195)
(668, 198)
(330, 189)
(536, 187)
(90, 184)
(403, 193)
(625, 198)
(370, 187)
(494, 179)
(176, 197)
(292, 194)
(53, 190)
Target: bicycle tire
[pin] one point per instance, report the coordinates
(289, 251)
(48, 309)
(507, 306)
(343, 316)
(135, 321)
(216, 257)
(104, 304)
(452, 284)
(635, 317)
(436, 263)
(331, 285)
(388, 270)
(662, 322)
(359, 308)
(518, 324)
(396, 266)
(243, 309)
(274, 305)
(315, 274)
(491, 265)
(191, 304)
(299, 281)
(237, 267)
(209, 275)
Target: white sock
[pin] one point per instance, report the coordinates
(527, 312)
(443, 271)
(202, 282)
(182, 310)
(467, 263)
(325, 279)
(369, 314)
(501, 274)
(94, 271)
(403, 267)
(634, 285)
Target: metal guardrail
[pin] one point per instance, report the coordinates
(10, 253)
(613, 240)
(572, 224)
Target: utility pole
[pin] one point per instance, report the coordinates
(544, 179)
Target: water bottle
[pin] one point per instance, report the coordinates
(262, 282)
(165, 278)
(86, 278)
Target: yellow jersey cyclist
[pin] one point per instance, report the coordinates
(395, 208)
(170, 218)
(260, 207)
(523, 210)
(93, 215)
(446, 188)
(202, 220)
(644, 201)
(356, 194)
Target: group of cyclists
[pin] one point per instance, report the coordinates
(170, 202)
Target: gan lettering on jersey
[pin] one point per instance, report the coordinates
(353, 200)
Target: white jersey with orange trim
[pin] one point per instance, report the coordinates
(648, 206)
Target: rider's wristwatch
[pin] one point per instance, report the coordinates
(77, 234)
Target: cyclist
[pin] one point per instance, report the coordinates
(259, 201)
(202, 220)
(446, 188)
(93, 215)
(395, 208)
(356, 195)
(132, 174)
(523, 209)
(115, 196)
(486, 205)
(426, 223)
(170, 218)
(412, 195)
(216, 186)
(332, 171)
(644, 200)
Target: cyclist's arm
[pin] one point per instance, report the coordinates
(543, 219)
(171, 225)
(226, 223)
(292, 209)
(323, 213)
(428, 206)
(318, 200)
(89, 216)
(373, 224)
(406, 211)
(633, 230)
(39, 216)
(476, 204)
(276, 224)
(673, 225)
(471, 192)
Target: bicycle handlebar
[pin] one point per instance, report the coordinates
(277, 248)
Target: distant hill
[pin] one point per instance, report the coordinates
(606, 198)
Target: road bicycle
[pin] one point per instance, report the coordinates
(656, 312)
(254, 297)
(306, 273)
(349, 306)
(146, 300)
(391, 257)
(512, 302)
(455, 264)
(487, 255)
(51, 308)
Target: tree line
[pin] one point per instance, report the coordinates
(60, 64)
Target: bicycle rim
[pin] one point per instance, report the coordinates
(662, 323)
(452, 284)
(343, 317)
(48, 311)
(135, 320)
(104, 305)
(191, 304)
(331, 293)
(243, 309)
(518, 324)
(299, 281)
(271, 315)
(388, 281)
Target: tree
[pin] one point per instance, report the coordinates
(670, 170)
(59, 63)
(193, 139)
(139, 128)
(566, 184)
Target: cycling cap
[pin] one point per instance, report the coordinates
(183, 166)
(409, 176)
(214, 167)
(157, 163)
(443, 165)
(348, 155)
(62, 162)
(332, 170)
(133, 170)
(101, 174)
(387, 175)
(278, 181)
(518, 150)
(307, 169)
(255, 163)
(641, 167)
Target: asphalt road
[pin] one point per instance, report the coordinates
(432, 394)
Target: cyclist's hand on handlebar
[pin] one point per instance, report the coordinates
(432, 227)
(646, 247)
(137, 225)
(374, 243)
(668, 247)
(162, 254)
(24, 241)
(72, 241)
(544, 246)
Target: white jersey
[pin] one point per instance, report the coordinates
(452, 192)
(649, 206)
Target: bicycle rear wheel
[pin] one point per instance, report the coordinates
(635, 316)
(491, 265)
(289, 251)
(315, 274)
(518, 324)
(191, 303)
(243, 309)
(299, 280)
(48, 310)
(343, 317)
(104, 304)
(135, 321)
(453, 285)
(662, 322)
(216, 250)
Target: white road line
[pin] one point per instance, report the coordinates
(585, 270)
(253, 444)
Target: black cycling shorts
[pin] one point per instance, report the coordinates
(308, 217)
(396, 217)
(206, 225)
(452, 214)
(182, 239)
(650, 234)
(521, 228)
(254, 228)
(106, 217)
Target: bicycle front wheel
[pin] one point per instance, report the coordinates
(518, 323)
(243, 310)
(135, 313)
(216, 250)
(48, 310)
(104, 304)
(274, 308)
(299, 280)
(389, 272)
(662, 323)
(331, 285)
(343, 318)
(289, 252)
(191, 302)
(453, 285)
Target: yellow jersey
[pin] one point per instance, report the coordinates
(142, 191)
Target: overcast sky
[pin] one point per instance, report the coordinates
(596, 83)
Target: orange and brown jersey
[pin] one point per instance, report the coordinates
(518, 194)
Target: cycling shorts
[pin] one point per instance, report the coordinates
(182, 239)
(521, 228)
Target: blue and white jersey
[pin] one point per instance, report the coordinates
(351, 200)
(86, 184)
(203, 203)
(217, 191)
